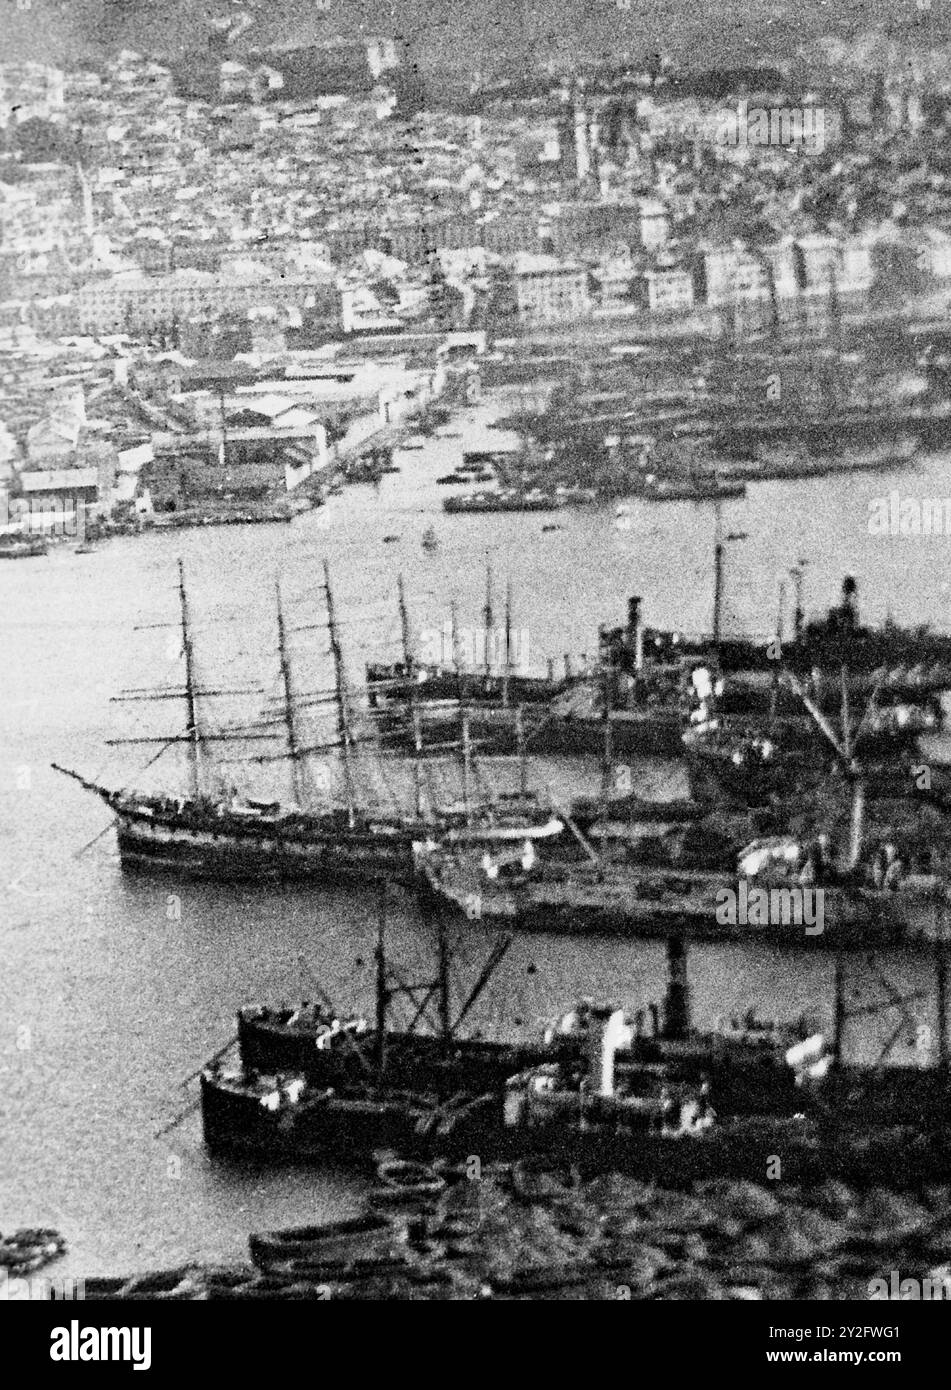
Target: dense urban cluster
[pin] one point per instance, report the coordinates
(272, 209)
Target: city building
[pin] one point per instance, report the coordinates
(547, 290)
(667, 289)
(28, 91)
(134, 303)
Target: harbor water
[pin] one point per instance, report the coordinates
(115, 988)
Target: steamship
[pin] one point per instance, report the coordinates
(360, 1085)
(645, 684)
(649, 1095)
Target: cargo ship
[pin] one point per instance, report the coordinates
(358, 1087)
(649, 679)
(838, 879)
(650, 1096)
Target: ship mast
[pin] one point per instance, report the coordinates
(507, 669)
(463, 719)
(408, 658)
(343, 712)
(488, 617)
(409, 665)
(192, 729)
(445, 1021)
(293, 743)
(839, 1019)
(382, 989)
(941, 983)
(466, 768)
(456, 655)
(798, 576)
(607, 750)
(717, 576)
(521, 752)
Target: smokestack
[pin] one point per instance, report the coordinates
(850, 607)
(635, 632)
(607, 1031)
(677, 1005)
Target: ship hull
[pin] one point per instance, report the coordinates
(495, 732)
(653, 905)
(234, 1124)
(268, 1044)
(809, 1151)
(758, 1083)
(150, 845)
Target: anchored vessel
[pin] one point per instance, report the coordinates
(239, 837)
(840, 874)
(651, 684)
(658, 1098)
(358, 1087)
(505, 500)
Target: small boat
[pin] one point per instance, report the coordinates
(430, 539)
(22, 548)
(552, 526)
(507, 500)
(338, 1271)
(29, 1249)
(318, 1243)
(390, 540)
(403, 1182)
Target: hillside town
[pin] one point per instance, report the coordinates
(241, 260)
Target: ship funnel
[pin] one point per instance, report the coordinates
(607, 1032)
(635, 632)
(677, 1003)
(850, 605)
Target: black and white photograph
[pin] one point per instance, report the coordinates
(475, 663)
